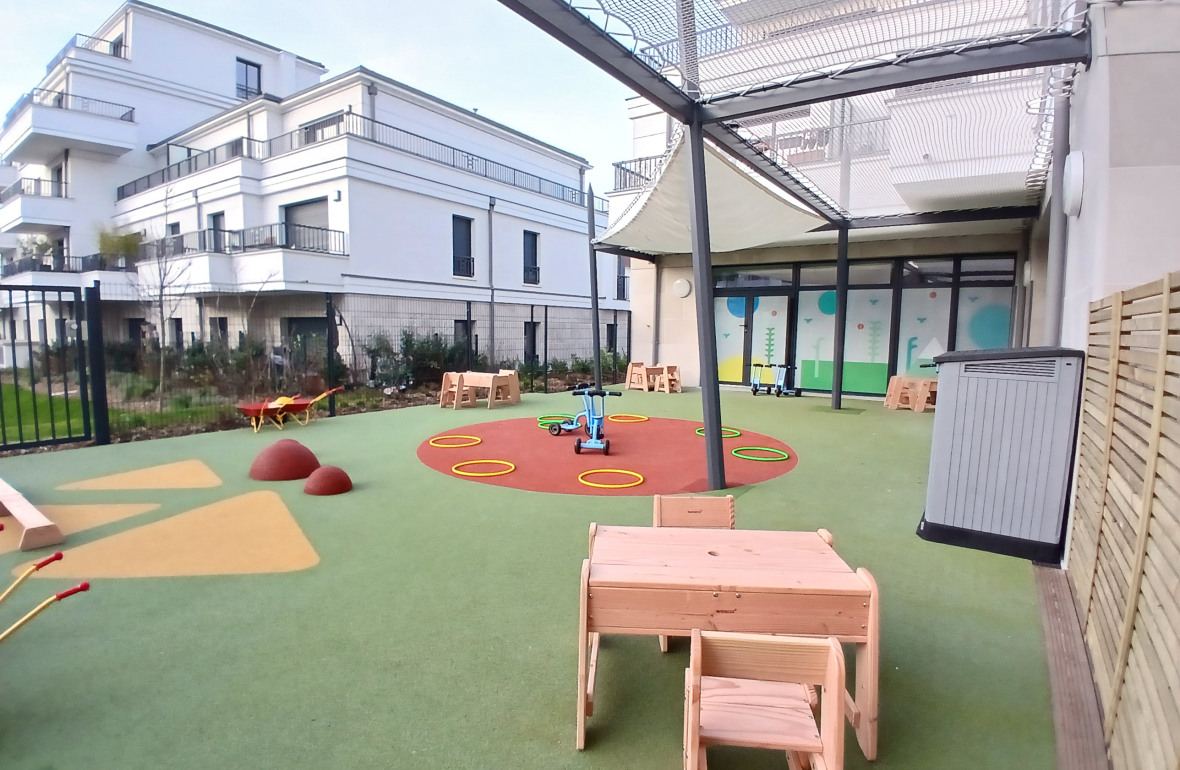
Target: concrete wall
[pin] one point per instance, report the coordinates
(1124, 109)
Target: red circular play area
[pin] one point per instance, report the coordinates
(666, 453)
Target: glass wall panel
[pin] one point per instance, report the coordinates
(752, 277)
(985, 317)
(813, 349)
(768, 330)
(729, 315)
(866, 341)
(923, 328)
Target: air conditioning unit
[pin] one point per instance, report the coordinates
(1002, 454)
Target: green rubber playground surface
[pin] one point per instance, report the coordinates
(438, 629)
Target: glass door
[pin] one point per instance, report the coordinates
(750, 330)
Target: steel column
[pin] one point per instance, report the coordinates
(841, 317)
(97, 359)
(593, 286)
(1055, 269)
(702, 271)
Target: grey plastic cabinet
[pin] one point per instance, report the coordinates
(1002, 452)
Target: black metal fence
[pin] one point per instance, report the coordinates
(74, 370)
(44, 393)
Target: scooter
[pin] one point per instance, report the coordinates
(595, 420)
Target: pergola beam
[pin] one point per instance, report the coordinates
(996, 56)
(992, 214)
(580, 34)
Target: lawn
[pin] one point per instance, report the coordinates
(438, 629)
(37, 417)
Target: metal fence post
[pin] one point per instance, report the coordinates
(546, 346)
(100, 415)
(330, 316)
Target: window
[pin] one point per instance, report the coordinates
(249, 79)
(612, 337)
(467, 339)
(135, 329)
(463, 264)
(174, 228)
(177, 333)
(530, 341)
(532, 272)
(219, 330)
(621, 277)
(117, 47)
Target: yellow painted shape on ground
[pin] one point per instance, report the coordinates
(243, 535)
(186, 474)
(72, 518)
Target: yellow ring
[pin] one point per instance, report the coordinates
(639, 479)
(472, 442)
(625, 418)
(508, 468)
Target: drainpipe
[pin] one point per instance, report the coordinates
(372, 107)
(491, 288)
(1055, 267)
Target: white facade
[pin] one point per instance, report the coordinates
(358, 185)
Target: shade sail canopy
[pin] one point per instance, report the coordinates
(744, 211)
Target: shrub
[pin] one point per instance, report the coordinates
(558, 368)
(427, 357)
(182, 401)
(123, 356)
(581, 366)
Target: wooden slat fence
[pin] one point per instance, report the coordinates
(1124, 560)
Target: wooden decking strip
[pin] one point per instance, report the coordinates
(1077, 720)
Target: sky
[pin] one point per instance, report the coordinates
(474, 53)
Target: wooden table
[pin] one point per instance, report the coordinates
(914, 392)
(669, 580)
(488, 380)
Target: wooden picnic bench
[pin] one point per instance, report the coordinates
(914, 393)
(669, 580)
(39, 530)
(463, 388)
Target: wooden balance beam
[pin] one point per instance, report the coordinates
(39, 530)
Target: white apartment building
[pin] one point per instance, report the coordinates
(250, 187)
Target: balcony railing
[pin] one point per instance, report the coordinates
(621, 287)
(41, 188)
(351, 124)
(280, 235)
(114, 48)
(67, 101)
(463, 267)
(636, 173)
(819, 145)
(246, 92)
(532, 274)
(59, 263)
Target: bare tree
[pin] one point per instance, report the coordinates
(163, 287)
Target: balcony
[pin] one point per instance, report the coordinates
(357, 126)
(621, 287)
(532, 274)
(319, 240)
(80, 46)
(34, 206)
(44, 123)
(636, 173)
(60, 263)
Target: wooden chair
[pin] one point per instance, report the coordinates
(700, 511)
(509, 392)
(668, 380)
(453, 393)
(752, 690)
(636, 376)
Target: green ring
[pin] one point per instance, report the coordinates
(701, 431)
(737, 450)
(545, 420)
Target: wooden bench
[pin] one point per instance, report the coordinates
(39, 530)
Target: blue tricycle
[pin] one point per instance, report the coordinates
(595, 420)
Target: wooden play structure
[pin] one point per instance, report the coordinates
(915, 393)
(660, 377)
(669, 581)
(693, 511)
(461, 389)
(758, 691)
(39, 531)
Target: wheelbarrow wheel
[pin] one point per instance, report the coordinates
(555, 429)
(577, 446)
(606, 446)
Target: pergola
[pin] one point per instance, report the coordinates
(733, 71)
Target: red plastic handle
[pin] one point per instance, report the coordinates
(1, 527)
(71, 591)
(48, 560)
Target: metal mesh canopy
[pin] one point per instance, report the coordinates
(722, 48)
(937, 143)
